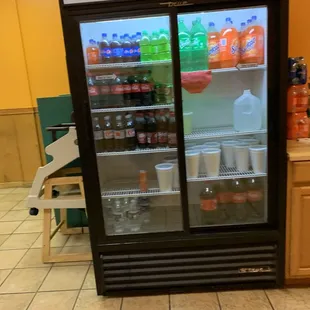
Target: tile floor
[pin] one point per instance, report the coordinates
(27, 284)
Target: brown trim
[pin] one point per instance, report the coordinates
(18, 111)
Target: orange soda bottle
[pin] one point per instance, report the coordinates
(229, 45)
(213, 47)
(92, 52)
(253, 50)
(241, 40)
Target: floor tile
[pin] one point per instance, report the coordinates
(8, 227)
(4, 274)
(89, 282)
(89, 300)
(15, 301)
(30, 227)
(254, 300)
(51, 300)
(22, 205)
(24, 280)
(2, 196)
(3, 238)
(5, 191)
(10, 258)
(18, 215)
(64, 278)
(195, 301)
(8, 205)
(33, 259)
(21, 190)
(290, 299)
(14, 197)
(77, 240)
(150, 302)
(19, 241)
(58, 241)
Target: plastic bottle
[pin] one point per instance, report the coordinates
(141, 130)
(213, 47)
(105, 50)
(135, 91)
(164, 52)
(146, 87)
(241, 40)
(208, 205)
(151, 129)
(117, 50)
(199, 46)
(117, 93)
(224, 196)
(255, 195)
(92, 52)
(130, 133)
(105, 91)
(172, 131)
(185, 47)
(119, 134)
(108, 134)
(98, 135)
(229, 45)
(239, 208)
(247, 112)
(126, 91)
(162, 130)
(154, 43)
(145, 47)
(93, 91)
(127, 49)
(136, 49)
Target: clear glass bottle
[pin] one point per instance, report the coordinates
(133, 216)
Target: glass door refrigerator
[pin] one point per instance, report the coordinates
(181, 131)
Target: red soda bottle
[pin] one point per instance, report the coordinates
(151, 128)
(117, 92)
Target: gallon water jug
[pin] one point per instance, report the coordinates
(247, 112)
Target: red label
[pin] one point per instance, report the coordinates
(224, 197)
(117, 89)
(239, 197)
(130, 133)
(208, 204)
(162, 137)
(127, 88)
(108, 134)
(104, 90)
(172, 138)
(255, 196)
(141, 137)
(151, 137)
(119, 134)
(93, 90)
(135, 88)
(146, 88)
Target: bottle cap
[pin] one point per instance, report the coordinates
(249, 21)
(114, 35)
(104, 35)
(138, 33)
(254, 17)
(228, 19)
(211, 24)
(107, 118)
(118, 117)
(243, 24)
(128, 116)
(96, 119)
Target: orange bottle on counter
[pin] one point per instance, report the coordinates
(297, 125)
(297, 98)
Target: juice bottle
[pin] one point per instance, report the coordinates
(145, 47)
(154, 43)
(241, 40)
(117, 49)
(92, 52)
(213, 47)
(105, 50)
(163, 46)
(199, 46)
(185, 47)
(229, 45)
(253, 51)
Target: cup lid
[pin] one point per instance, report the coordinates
(211, 150)
(165, 166)
(192, 153)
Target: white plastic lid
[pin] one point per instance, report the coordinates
(247, 91)
(165, 166)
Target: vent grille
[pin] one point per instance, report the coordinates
(189, 267)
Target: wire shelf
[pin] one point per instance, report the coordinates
(242, 68)
(125, 109)
(129, 64)
(136, 193)
(220, 132)
(226, 174)
(138, 151)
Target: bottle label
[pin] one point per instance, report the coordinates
(239, 197)
(98, 135)
(224, 197)
(130, 132)
(126, 88)
(119, 134)
(104, 90)
(117, 89)
(93, 57)
(172, 138)
(141, 137)
(184, 44)
(117, 52)
(208, 204)
(108, 134)
(154, 49)
(249, 48)
(93, 90)
(214, 50)
(255, 195)
(135, 88)
(301, 102)
(229, 48)
(105, 52)
(128, 51)
(162, 137)
(199, 41)
(146, 87)
(136, 50)
(151, 137)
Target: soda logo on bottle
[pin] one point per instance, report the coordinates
(130, 133)
(250, 45)
(255, 196)
(135, 88)
(214, 49)
(185, 44)
(108, 134)
(119, 134)
(117, 89)
(162, 137)
(104, 90)
(145, 88)
(127, 88)
(208, 204)
(127, 51)
(151, 137)
(198, 43)
(239, 197)
(117, 52)
(106, 52)
(234, 49)
(141, 137)
(93, 91)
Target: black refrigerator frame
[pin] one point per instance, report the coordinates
(192, 245)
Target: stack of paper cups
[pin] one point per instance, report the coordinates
(192, 163)
(241, 151)
(164, 176)
(228, 152)
(212, 159)
(259, 158)
(175, 171)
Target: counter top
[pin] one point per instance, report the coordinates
(297, 150)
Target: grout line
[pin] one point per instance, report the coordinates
(169, 298)
(121, 306)
(271, 305)
(53, 291)
(76, 299)
(218, 301)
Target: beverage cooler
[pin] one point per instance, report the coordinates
(180, 115)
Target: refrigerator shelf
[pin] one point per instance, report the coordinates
(129, 64)
(126, 109)
(138, 151)
(209, 133)
(135, 193)
(226, 174)
(243, 68)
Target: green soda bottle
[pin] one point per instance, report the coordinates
(185, 47)
(145, 47)
(163, 45)
(154, 42)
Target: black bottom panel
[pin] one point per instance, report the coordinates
(190, 269)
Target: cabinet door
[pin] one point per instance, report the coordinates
(300, 232)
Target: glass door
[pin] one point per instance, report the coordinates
(223, 58)
(131, 96)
